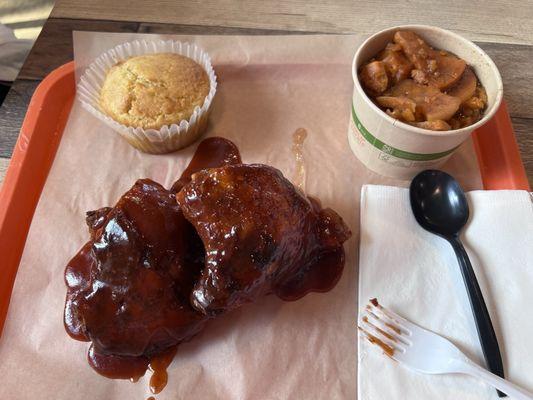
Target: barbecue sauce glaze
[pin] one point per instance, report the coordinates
(129, 286)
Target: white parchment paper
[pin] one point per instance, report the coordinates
(268, 88)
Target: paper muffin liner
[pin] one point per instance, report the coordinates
(168, 138)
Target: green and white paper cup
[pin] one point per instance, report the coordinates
(396, 149)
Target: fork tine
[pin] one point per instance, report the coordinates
(390, 322)
(387, 328)
(387, 350)
(377, 336)
(395, 322)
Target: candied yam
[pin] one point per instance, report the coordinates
(374, 77)
(482, 94)
(440, 106)
(393, 47)
(466, 87)
(438, 125)
(414, 91)
(441, 69)
(432, 65)
(478, 102)
(398, 67)
(426, 87)
(455, 122)
(396, 114)
(402, 107)
(407, 115)
(416, 50)
(474, 103)
(465, 117)
(419, 76)
(396, 102)
(448, 72)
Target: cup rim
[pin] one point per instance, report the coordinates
(397, 123)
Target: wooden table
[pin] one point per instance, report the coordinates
(502, 28)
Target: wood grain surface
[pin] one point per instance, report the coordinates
(12, 114)
(508, 40)
(523, 129)
(54, 45)
(4, 162)
(491, 21)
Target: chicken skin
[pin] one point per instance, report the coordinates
(129, 287)
(259, 233)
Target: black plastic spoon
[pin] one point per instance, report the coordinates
(440, 207)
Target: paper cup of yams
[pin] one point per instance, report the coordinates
(394, 148)
(176, 132)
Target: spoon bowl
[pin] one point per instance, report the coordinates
(439, 203)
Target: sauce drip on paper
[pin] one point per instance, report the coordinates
(298, 139)
(158, 366)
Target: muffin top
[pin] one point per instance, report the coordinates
(153, 90)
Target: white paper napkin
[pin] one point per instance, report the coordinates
(416, 274)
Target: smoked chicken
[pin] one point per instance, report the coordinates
(129, 286)
(161, 263)
(259, 232)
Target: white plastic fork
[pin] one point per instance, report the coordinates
(425, 351)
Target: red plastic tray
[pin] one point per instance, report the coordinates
(495, 144)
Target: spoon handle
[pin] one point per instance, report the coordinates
(487, 336)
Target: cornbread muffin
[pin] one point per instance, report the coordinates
(153, 90)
